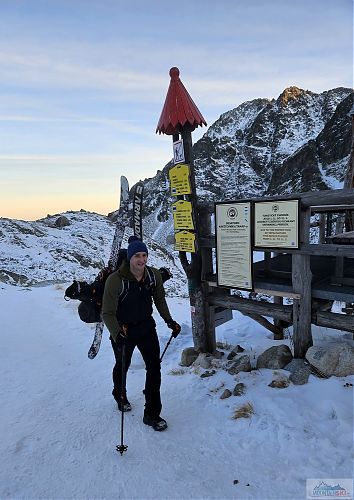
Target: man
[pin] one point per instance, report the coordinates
(127, 312)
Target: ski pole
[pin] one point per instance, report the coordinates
(122, 447)
(168, 343)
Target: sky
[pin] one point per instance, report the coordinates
(83, 82)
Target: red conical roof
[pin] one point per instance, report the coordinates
(178, 109)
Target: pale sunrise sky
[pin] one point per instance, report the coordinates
(83, 82)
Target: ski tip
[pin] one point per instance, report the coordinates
(92, 354)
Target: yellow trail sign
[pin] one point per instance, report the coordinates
(182, 215)
(179, 179)
(185, 241)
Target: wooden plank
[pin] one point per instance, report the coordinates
(222, 315)
(277, 293)
(305, 249)
(278, 332)
(333, 320)
(252, 306)
(308, 199)
(331, 208)
(340, 293)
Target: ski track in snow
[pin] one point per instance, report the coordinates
(60, 424)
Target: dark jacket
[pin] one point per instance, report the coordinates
(137, 303)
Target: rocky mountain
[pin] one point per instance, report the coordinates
(63, 247)
(297, 142)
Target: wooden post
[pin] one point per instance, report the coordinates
(202, 316)
(301, 280)
(180, 116)
(278, 323)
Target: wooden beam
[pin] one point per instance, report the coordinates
(305, 249)
(331, 208)
(249, 306)
(333, 320)
(277, 293)
(310, 198)
(278, 332)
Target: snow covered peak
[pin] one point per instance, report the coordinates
(297, 142)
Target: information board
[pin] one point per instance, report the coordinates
(179, 179)
(276, 224)
(182, 215)
(185, 241)
(233, 245)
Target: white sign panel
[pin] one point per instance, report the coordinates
(178, 152)
(233, 245)
(277, 224)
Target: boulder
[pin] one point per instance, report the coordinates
(208, 374)
(337, 360)
(239, 389)
(62, 221)
(203, 360)
(299, 371)
(188, 356)
(275, 357)
(226, 394)
(234, 351)
(280, 383)
(242, 364)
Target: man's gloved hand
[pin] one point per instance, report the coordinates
(123, 331)
(175, 327)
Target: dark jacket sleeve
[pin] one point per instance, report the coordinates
(112, 290)
(159, 297)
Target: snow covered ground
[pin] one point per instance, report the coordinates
(60, 424)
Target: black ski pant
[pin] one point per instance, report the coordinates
(143, 336)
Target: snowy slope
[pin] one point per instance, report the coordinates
(60, 424)
(39, 252)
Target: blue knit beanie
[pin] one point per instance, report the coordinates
(135, 246)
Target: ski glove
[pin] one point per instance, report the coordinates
(175, 327)
(123, 331)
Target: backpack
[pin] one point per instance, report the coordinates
(90, 295)
(150, 285)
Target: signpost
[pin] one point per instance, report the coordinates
(234, 245)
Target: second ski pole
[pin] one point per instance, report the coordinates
(122, 447)
(168, 343)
